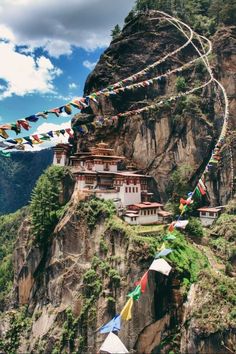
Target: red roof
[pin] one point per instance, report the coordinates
(146, 205)
(206, 209)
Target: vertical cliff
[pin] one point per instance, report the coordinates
(177, 134)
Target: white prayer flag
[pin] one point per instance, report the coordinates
(161, 266)
(181, 224)
(113, 345)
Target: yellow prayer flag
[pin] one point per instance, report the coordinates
(18, 140)
(3, 134)
(163, 246)
(181, 206)
(126, 312)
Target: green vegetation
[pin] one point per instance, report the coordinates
(222, 239)
(9, 225)
(19, 323)
(116, 32)
(215, 309)
(203, 15)
(46, 205)
(194, 228)
(181, 85)
(187, 259)
(94, 209)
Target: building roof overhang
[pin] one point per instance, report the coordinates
(212, 210)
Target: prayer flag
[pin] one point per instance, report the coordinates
(113, 345)
(169, 237)
(171, 226)
(42, 114)
(143, 282)
(181, 224)
(5, 154)
(126, 311)
(68, 109)
(136, 293)
(161, 266)
(24, 124)
(113, 325)
(68, 130)
(33, 118)
(3, 134)
(163, 253)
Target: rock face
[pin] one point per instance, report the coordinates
(175, 135)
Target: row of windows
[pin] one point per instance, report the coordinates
(148, 212)
(203, 213)
(131, 189)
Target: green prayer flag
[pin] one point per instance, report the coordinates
(169, 237)
(198, 193)
(136, 293)
(5, 154)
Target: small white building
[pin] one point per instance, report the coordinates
(143, 213)
(208, 215)
(61, 154)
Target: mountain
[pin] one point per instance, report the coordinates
(75, 261)
(18, 175)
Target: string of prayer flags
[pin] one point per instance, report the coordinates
(34, 139)
(163, 253)
(113, 345)
(136, 293)
(126, 311)
(112, 326)
(161, 266)
(143, 282)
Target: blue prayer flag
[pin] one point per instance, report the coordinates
(113, 325)
(163, 253)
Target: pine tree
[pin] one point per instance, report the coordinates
(45, 202)
(115, 32)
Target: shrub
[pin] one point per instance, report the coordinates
(45, 206)
(181, 84)
(194, 228)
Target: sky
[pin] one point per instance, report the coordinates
(47, 50)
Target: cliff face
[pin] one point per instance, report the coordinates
(81, 280)
(177, 134)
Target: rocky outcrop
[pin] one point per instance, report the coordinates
(178, 134)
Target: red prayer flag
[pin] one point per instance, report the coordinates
(143, 282)
(202, 191)
(171, 227)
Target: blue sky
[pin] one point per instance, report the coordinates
(47, 49)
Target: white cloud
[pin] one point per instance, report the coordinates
(6, 33)
(72, 86)
(57, 48)
(58, 25)
(46, 127)
(89, 65)
(25, 74)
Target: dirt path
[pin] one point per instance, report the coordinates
(217, 267)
